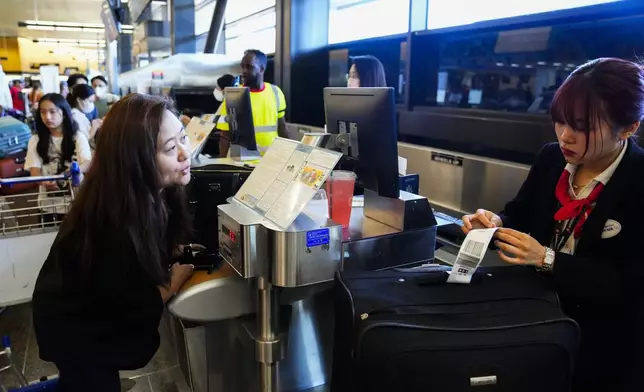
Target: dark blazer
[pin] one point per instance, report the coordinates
(108, 316)
(602, 285)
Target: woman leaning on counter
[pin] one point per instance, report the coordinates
(577, 218)
(100, 293)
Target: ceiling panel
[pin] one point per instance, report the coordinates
(79, 11)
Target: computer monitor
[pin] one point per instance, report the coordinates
(369, 116)
(240, 117)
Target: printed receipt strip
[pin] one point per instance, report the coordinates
(470, 255)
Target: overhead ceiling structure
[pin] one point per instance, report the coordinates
(63, 12)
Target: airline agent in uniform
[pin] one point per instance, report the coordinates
(577, 219)
(267, 101)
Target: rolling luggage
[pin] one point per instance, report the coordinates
(408, 332)
(210, 186)
(13, 166)
(14, 136)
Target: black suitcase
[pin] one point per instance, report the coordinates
(210, 186)
(410, 332)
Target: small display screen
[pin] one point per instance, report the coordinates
(227, 232)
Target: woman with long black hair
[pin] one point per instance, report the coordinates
(99, 297)
(56, 144)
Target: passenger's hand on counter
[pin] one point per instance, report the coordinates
(519, 248)
(179, 274)
(481, 219)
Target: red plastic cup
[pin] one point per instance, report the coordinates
(339, 190)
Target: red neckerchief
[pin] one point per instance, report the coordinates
(571, 208)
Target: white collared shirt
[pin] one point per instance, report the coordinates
(584, 192)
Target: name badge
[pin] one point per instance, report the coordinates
(611, 229)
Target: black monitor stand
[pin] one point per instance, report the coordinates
(243, 146)
(361, 122)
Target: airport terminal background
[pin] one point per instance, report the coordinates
(474, 78)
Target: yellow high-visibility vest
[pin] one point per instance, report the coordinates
(268, 105)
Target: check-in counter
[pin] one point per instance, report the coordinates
(211, 313)
(462, 183)
(469, 159)
(217, 309)
(218, 352)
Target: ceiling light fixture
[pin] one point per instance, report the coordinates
(73, 41)
(49, 28)
(70, 42)
(67, 26)
(62, 28)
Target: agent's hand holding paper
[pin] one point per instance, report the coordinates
(470, 255)
(519, 248)
(481, 219)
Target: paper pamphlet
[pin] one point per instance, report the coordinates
(210, 117)
(402, 166)
(198, 131)
(470, 255)
(285, 180)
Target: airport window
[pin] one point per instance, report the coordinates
(263, 40)
(519, 70)
(239, 9)
(352, 20)
(203, 16)
(256, 32)
(450, 13)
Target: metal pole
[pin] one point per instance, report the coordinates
(216, 24)
(268, 324)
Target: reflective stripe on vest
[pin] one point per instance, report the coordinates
(277, 103)
(266, 128)
(271, 128)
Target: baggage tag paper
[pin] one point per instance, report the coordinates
(470, 255)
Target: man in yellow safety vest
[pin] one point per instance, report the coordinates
(267, 101)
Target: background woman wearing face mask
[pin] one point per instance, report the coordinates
(100, 295)
(75, 79)
(81, 99)
(366, 71)
(576, 218)
(104, 99)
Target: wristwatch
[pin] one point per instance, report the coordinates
(548, 261)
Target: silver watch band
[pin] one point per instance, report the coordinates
(548, 261)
